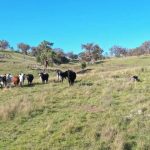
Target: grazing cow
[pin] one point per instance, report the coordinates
(15, 80)
(71, 77)
(136, 78)
(44, 77)
(30, 78)
(21, 79)
(62, 75)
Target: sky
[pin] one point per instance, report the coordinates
(70, 23)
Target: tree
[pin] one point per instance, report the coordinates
(141, 50)
(146, 47)
(4, 44)
(118, 51)
(82, 57)
(46, 46)
(34, 51)
(59, 52)
(71, 55)
(23, 47)
(60, 57)
(46, 53)
(52, 56)
(92, 52)
(88, 49)
(97, 52)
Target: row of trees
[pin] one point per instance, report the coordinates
(46, 54)
(43, 52)
(119, 51)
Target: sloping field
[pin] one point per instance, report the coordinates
(104, 110)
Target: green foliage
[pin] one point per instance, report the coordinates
(64, 60)
(45, 52)
(83, 65)
(38, 59)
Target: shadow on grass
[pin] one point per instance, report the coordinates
(33, 85)
(24, 86)
(84, 71)
(86, 84)
(100, 62)
(3, 61)
(41, 84)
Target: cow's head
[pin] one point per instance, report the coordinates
(40, 74)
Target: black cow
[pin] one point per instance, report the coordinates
(71, 77)
(30, 78)
(3, 81)
(44, 77)
(62, 75)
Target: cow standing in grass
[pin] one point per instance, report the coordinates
(44, 77)
(30, 78)
(15, 80)
(71, 77)
(12, 80)
(21, 79)
(9, 78)
(3, 82)
(61, 75)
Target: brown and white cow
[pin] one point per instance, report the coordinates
(15, 80)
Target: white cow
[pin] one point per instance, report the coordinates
(21, 78)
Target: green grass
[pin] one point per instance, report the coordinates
(104, 110)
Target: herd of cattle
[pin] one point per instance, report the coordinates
(8, 80)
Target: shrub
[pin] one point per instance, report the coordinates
(83, 65)
(38, 59)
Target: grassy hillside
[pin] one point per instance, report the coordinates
(104, 110)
